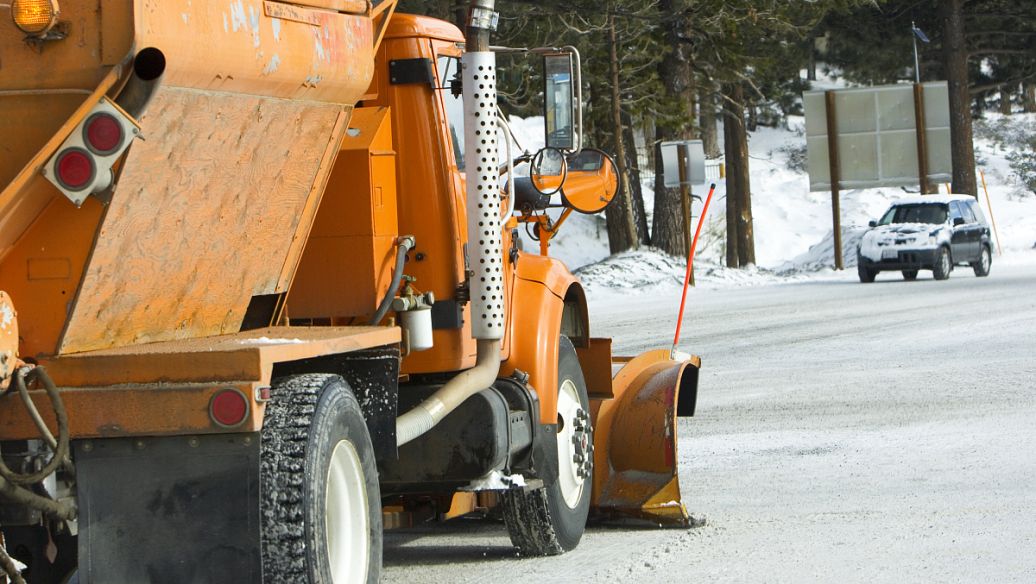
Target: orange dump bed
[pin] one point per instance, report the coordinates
(210, 212)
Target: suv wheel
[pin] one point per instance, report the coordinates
(867, 275)
(985, 260)
(943, 265)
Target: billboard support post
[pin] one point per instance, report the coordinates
(922, 142)
(833, 162)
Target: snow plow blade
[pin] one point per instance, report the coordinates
(635, 457)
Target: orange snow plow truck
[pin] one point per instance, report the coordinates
(263, 295)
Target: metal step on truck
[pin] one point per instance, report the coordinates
(261, 292)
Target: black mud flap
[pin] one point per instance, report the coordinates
(169, 510)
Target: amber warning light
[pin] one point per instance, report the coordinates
(35, 17)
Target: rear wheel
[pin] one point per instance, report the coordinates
(943, 264)
(321, 507)
(910, 275)
(551, 520)
(985, 260)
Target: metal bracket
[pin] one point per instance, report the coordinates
(483, 18)
(447, 314)
(408, 71)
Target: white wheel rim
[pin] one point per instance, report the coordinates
(345, 516)
(568, 469)
(985, 259)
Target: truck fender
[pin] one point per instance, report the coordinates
(547, 301)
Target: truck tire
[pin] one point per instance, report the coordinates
(551, 520)
(943, 264)
(321, 506)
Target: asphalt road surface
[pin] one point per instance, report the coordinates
(845, 433)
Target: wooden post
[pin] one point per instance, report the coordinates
(989, 205)
(836, 175)
(922, 139)
(682, 156)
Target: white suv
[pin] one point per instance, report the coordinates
(931, 232)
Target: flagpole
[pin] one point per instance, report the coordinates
(917, 63)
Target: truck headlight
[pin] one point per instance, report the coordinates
(35, 17)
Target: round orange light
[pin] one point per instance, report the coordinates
(35, 17)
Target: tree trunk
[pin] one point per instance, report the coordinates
(707, 121)
(1005, 100)
(753, 118)
(1029, 98)
(730, 142)
(624, 234)
(811, 64)
(637, 191)
(667, 224)
(740, 197)
(460, 13)
(955, 55)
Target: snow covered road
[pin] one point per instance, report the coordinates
(845, 433)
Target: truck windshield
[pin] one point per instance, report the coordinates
(916, 213)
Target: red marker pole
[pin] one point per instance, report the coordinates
(690, 263)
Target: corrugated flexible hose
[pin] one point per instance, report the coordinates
(464, 385)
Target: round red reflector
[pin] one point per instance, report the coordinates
(74, 169)
(228, 408)
(102, 133)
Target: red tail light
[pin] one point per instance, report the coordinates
(84, 163)
(75, 169)
(103, 134)
(228, 408)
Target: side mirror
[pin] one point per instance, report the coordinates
(592, 183)
(872, 223)
(548, 170)
(958, 221)
(559, 102)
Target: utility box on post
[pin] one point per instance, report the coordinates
(346, 267)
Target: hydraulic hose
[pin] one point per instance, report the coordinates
(9, 568)
(467, 383)
(10, 481)
(405, 243)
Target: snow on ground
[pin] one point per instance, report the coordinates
(792, 226)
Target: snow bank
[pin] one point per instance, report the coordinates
(792, 226)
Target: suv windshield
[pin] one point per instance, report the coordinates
(916, 213)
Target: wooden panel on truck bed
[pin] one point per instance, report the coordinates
(246, 356)
(210, 210)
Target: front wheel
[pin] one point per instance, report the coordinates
(985, 260)
(551, 520)
(943, 265)
(866, 274)
(320, 505)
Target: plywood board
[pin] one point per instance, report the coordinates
(204, 217)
